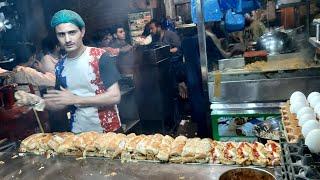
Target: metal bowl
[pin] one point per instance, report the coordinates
(276, 42)
(246, 173)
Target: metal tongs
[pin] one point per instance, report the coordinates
(38, 120)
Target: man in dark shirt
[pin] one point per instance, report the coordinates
(120, 40)
(164, 36)
(125, 61)
(105, 38)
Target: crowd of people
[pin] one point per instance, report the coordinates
(56, 55)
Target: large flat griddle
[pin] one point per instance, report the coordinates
(30, 166)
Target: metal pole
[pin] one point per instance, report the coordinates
(203, 62)
(308, 19)
(317, 32)
(38, 120)
(202, 46)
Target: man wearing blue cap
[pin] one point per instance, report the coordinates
(86, 79)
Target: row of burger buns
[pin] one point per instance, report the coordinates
(155, 147)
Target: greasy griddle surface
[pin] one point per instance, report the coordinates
(67, 167)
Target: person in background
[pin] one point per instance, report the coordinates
(257, 27)
(145, 38)
(27, 73)
(198, 101)
(218, 28)
(164, 37)
(119, 41)
(86, 79)
(28, 52)
(159, 34)
(146, 30)
(215, 49)
(104, 38)
(169, 25)
(51, 50)
(52, 54)
(193, 80)
(124, 51)
(118, 45)
(254, 27)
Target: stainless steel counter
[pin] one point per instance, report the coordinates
(245, 108)
(38, 167)
(268, 85)
(262, 86)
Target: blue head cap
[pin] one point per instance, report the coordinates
(67, 16)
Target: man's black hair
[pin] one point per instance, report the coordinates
(49, 43)
(156, 23)
(115, 28)
(146, 30)
(100, 34)
(247, 22)
(209, 25)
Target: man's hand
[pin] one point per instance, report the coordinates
(183, 90)
(50, 105)
(237, 48)
(173, 50)
(63, 97)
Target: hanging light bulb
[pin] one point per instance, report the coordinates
(4, 4)
(1, 25)
(4, 23)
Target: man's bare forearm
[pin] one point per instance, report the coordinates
(64, 97)
(105, 99)
(53, 106)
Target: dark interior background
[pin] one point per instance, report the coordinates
(32, 19)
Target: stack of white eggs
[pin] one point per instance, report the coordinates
(307, 111)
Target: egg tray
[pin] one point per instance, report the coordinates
(292, 130)
(297, 162)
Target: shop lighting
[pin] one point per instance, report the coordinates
(4, 23)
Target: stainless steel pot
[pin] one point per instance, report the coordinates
(276, 42)
(246, 173)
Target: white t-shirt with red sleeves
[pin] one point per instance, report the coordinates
(82, 77)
